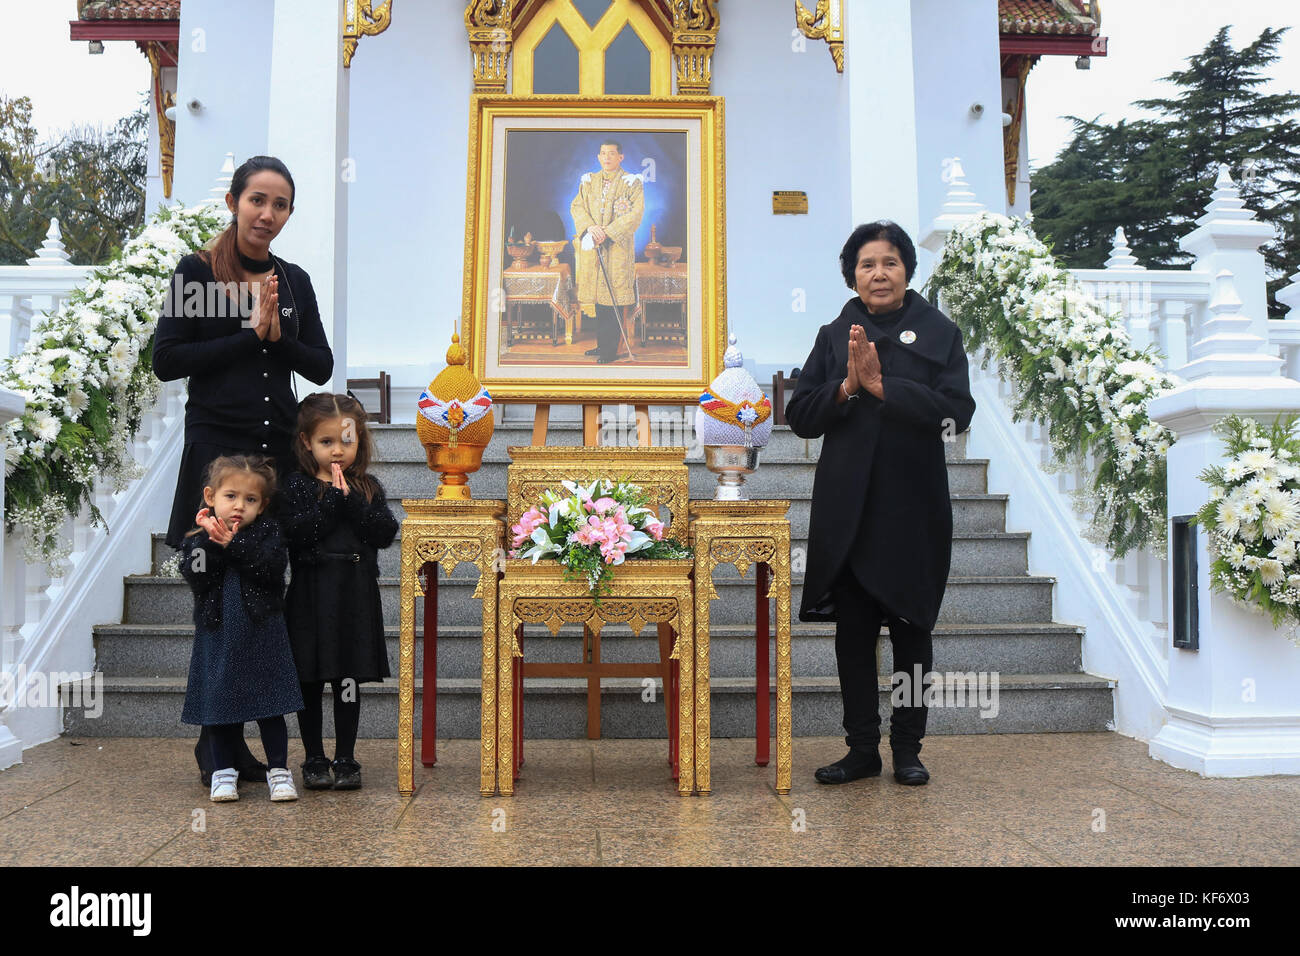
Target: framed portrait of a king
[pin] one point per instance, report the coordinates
(595, 250)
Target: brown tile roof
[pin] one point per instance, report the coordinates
(129, 9)
(1052, 17)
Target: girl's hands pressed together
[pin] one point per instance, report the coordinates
(339, 482)
(217, 531)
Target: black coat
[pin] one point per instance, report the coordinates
(240, 386)
(241, 398)
(335, 620)
(258, 551)
(882, 469)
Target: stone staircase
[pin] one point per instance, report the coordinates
(996, 617)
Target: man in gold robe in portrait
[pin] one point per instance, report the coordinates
(606, 212)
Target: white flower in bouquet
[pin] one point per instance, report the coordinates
(1229, 515)
(45, 426)
(1270, 571)
(1258, 459)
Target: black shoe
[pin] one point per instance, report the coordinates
(858, 763)
(316, 773)
(602, 360)
(908, 769)
(347, 775)
(595, 351)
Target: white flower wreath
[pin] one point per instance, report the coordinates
(1074, 370)
(87, 376)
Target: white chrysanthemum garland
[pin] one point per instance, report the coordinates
(87, 376)
(1073, 368)
(1253, 519)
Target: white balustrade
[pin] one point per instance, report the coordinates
(41, 286)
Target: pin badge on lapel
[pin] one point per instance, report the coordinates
(907, 337)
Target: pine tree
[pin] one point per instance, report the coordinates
(1155, 177)
(1222, 117)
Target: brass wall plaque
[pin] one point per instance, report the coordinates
(793, 202)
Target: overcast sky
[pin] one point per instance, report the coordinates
(1148, 39)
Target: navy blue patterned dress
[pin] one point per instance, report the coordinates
(240, 669)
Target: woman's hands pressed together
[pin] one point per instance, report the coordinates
(267, 321)
(863, 367)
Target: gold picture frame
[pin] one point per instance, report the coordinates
(523, 321)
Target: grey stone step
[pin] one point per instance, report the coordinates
(968, 599)
(163, 650)
(975, 516)
(775, 478)
(556, 709)
(398, 441)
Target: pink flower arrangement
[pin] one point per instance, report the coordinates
(528, 523)
(592, 528)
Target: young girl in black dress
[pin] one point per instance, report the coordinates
(241, 667)
(336, 519)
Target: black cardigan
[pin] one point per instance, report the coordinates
(240, 388)
(309, 516)
(260, 554)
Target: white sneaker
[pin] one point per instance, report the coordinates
(225, 785)
(280, 782)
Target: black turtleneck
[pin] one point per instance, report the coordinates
(883, 319)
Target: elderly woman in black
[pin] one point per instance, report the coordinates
(886, 384)
(238, 322)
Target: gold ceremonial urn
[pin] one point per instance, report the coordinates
(454, 423)
(454, 465)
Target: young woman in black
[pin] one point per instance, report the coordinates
(238, 321)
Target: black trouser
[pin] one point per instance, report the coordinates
(607, 335)
(347, 716)
(857, 632)
(225, 741)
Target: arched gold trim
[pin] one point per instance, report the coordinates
(591, 43)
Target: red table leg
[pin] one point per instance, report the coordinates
(429, 726)
(762, 692)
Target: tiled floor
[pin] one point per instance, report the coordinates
(1037, 799)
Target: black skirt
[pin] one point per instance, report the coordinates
(334, 613)
(189, 482)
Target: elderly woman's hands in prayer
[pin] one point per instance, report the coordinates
(863, 366)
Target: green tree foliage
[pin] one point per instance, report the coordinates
(1155, 177)
(92, 180)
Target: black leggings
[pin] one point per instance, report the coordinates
(224, 741)
(347, 716)
(857, 633)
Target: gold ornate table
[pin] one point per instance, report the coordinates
(447, 532)
(642, 592)
(744, 533)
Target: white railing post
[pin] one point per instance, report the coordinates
(15, 322)
(1214, 726)
(1228, 236)
(1286, 333)
(11, 748)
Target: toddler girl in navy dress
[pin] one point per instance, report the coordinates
(336, 518)
(241, 667)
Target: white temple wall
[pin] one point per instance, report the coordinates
(227, 67)
(955, 68)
